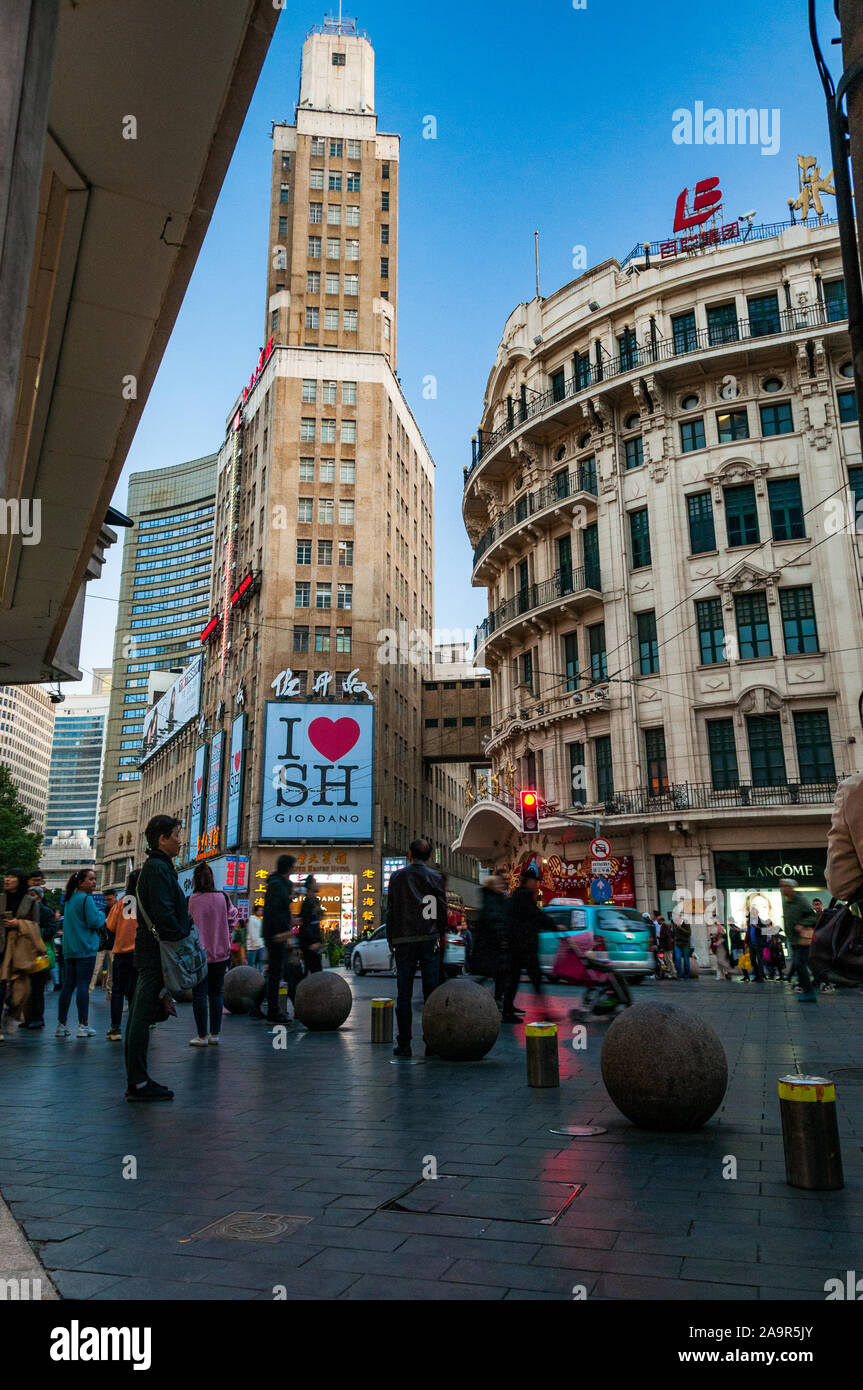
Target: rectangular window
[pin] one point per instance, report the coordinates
(722, 325)
(355, 149)
(353, 183)
(656, 760)
(346, 553)
(352, 250)
(582, 370)
(334, 214)
(328, 470)
(604, 769)
(558, 386)
(527, 669)
(322, 639)
(753, 626)
(328, 431)
(385, 202)
(325, 511)
(283, 228)
(798, 620)
(347, 471)
(349, 431)
(284, 193)
(302, 593)
(639, 538)
(723, 754)
(634, 452)
(570, 659)
(352, 284)
(385, 234)
(763, 315)
(339, 61)
(336, 145)
(307, 470)
(313, 317)
(319, 145)
(346, 596)
(731, 425)
(683, 332)
(598, 658)
(316, 212)
(350, 320)
(323, 596)
(814, 748)
(274, 321)
(304, 552)
(329, 392)
(301, 639)
(346, 511)
(305, 508)
(702, 533)
(648, 646)
(786, 509)
(835, 300)
(628, 350)
(314, 247)
(343, 639)
(590, 546)
(331, 319)
(777, 419)
(352, 215)
(349, 393)
(741, 514)
(848, 411)
(711, 630)
(766, 755)
(310, 392)
(307, 429)
(691, 435)
(325, 552)
(316, 178)
(334, 183)
(332, 282)
(577, 775)
(334, 248)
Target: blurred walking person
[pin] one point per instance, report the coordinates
(489, 932)
(526, 921)
(19, 935)
(416, 917)
(103, 955)
(82, 930)
(799, 920)
(278, 927)
(35, 1006)
(215, 916)
(719, 949)
(122, 926)
(254, 941)
(309, 936)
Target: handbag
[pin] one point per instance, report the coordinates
(837, 943)
(184, 963)
(743, 961)
(42, 962)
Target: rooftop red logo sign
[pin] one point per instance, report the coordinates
(264, 357)
(708, 196)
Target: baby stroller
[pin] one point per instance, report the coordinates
(583, 959)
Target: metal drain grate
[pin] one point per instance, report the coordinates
(249, 1225)
(568, 1192)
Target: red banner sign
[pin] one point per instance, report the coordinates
(565, 878)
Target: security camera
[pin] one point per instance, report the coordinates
(593, 306)
(747, 216)
(57, 697)
(537, 340)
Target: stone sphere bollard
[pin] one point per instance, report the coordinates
(664, 1067)
(323, 1001)
(244, 987)
(460, 1021)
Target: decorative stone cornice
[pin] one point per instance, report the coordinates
(739, 470)
(745, 577)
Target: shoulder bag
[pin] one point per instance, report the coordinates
(837, 943)
(184, 963)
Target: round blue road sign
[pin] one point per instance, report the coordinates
(600, 890)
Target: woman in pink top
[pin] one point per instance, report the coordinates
(215, 917)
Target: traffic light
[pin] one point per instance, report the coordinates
(530, 813)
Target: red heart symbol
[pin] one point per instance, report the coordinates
(333, 737)
(198, 785)
(237, 757)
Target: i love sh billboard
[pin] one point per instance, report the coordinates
(318, 772)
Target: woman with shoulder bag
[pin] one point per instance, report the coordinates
(215, 917)
(22, 945)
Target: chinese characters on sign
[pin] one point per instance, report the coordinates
(812, 185)
(367, 900)
(317, 773)
(287, 684)
(261, 876)
(699, 240)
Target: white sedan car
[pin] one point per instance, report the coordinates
(374, 954)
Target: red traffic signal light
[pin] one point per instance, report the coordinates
(530, 813)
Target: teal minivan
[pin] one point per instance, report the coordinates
(627, 936)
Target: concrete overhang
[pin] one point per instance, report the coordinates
(120, 225)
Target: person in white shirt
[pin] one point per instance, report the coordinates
(254, 941)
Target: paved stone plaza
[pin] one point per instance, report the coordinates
(334, 1134)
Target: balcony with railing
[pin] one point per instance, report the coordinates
(682, 797)
(565, 582)
(561, 487)
(645, 356)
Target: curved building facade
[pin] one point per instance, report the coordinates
(662, 503)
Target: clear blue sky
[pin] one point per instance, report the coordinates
(548, 118)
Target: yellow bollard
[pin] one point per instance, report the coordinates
(541, 1048)
(382, 1020)
(810, 1133)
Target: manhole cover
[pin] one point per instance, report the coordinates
(489, 1208)
(249, 1225)
(844, 1073)
(579, 1131)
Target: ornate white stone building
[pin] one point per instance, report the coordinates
(662, 504)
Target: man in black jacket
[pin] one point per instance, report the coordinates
(416, 915)
(161, 902)
(526, 921)
(276, 930)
